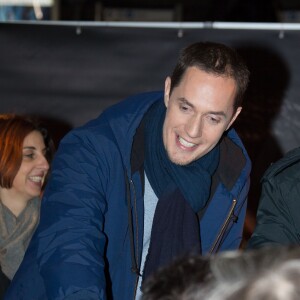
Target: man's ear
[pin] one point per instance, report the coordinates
(167, 90)
(237, 112)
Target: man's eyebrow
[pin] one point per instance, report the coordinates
(184, 101)
(218, 113)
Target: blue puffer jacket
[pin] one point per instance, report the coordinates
(88, 241)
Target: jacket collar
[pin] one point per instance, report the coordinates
(137, 153)
(292, 157)
(232, 162)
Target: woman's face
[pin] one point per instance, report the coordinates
(34, 167)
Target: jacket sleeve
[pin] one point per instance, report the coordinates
(70, 239)
(275, 216)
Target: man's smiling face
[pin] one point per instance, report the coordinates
(199, 110)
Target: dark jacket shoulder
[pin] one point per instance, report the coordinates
(286, 166)
(277, 216)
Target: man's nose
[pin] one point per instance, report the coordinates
(194, 127)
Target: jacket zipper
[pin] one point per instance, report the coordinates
(223, 228)
(137, 237)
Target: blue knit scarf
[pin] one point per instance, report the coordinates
(193, 180)
(183, 191)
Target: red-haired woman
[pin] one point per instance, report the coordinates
(26, 151)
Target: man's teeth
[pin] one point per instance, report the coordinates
(185, 143)
(36, 178)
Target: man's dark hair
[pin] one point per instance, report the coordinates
(216, 59)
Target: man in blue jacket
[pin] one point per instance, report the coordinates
(155, 177)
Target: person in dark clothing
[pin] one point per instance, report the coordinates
(155, 176)
(278, 221)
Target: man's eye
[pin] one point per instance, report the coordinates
(214, 120)
(184, 107)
